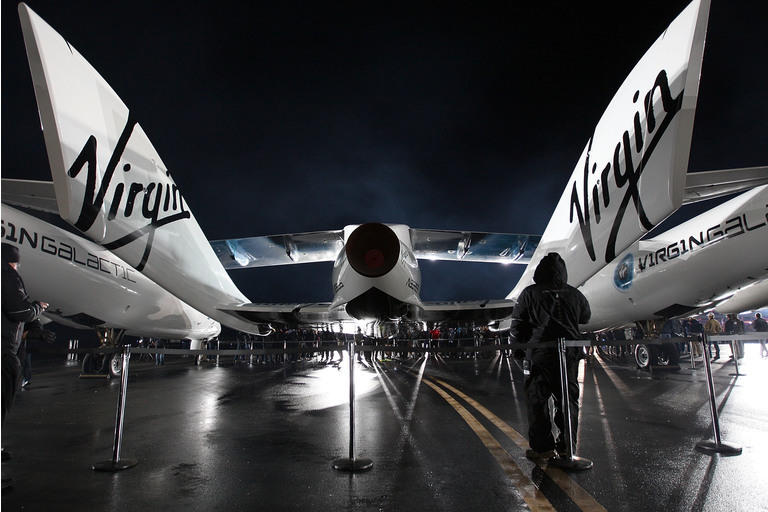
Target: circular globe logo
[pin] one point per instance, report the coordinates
(624, 273)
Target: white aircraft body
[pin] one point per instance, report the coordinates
(89, 287)
(111, 184)
(688, 268)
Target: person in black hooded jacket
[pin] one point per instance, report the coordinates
(546, 311)
(17, 309)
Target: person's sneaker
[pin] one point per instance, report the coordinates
(24, 383)
(533, 454)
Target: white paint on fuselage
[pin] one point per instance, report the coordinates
(77, 276)
(669, 270)
(403, 282)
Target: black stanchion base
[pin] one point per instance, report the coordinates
(352, 465)
(112, 466)
(713, 446)
(573, 463)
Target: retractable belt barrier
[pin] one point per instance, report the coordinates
(570, 461)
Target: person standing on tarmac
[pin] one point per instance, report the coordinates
(713, 327)
(17, 309)
(546, 311)
(760, 325)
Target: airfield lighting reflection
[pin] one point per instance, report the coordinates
(329, 387)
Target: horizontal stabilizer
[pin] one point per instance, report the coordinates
(465, 311)
(38, 195)
(700, 186)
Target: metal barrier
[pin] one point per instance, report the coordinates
(717, 446)
(570, 461)
(118, 464)
(738, 338)
(352, 464)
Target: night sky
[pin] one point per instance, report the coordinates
(288, 116)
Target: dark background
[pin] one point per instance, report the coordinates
(309, 116)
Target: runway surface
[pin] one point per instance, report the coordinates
(444, 435)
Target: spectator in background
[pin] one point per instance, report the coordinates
(735, 326)
(713, 327)
(760, 325)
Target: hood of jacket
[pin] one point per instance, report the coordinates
(551, 271)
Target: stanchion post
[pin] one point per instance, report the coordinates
(352, 464)
(716, 446)
(118, 464)
(570, 461)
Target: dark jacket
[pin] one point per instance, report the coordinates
(17, 309)
(550, 308)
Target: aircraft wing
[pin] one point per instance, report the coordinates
(38, 195)
(700, 186)
(479, 310)
(322, 312)
(435, 244)
(431, 244)
(268, 251)
(290, 313)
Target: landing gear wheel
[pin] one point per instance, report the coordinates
(116, 365)
(642, 356)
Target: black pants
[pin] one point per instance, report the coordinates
(11, 378)
(540, 385)
(717, 348)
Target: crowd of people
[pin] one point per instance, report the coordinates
(327, 344)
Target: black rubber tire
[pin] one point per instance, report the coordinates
(643, 356)
(115, 365)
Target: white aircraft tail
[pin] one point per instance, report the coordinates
(632, 172)
(111, 184)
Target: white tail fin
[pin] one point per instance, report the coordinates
(110, 182)
(631, 174)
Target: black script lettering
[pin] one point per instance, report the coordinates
(737, 225)
(101, 266)
(642, 263)
(50, 248)
(93, 199)
(626, 176)
(12, 235)
(673, 251)
(92, 261)
(746, 224)
(65, 251)
(23, 233)
(714, 232)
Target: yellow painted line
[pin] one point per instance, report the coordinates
(533, 497)
(578, 495)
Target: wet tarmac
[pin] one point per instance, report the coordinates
(444, 435)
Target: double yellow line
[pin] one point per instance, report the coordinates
(531, 494)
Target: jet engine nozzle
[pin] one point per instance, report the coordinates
(372, 249)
